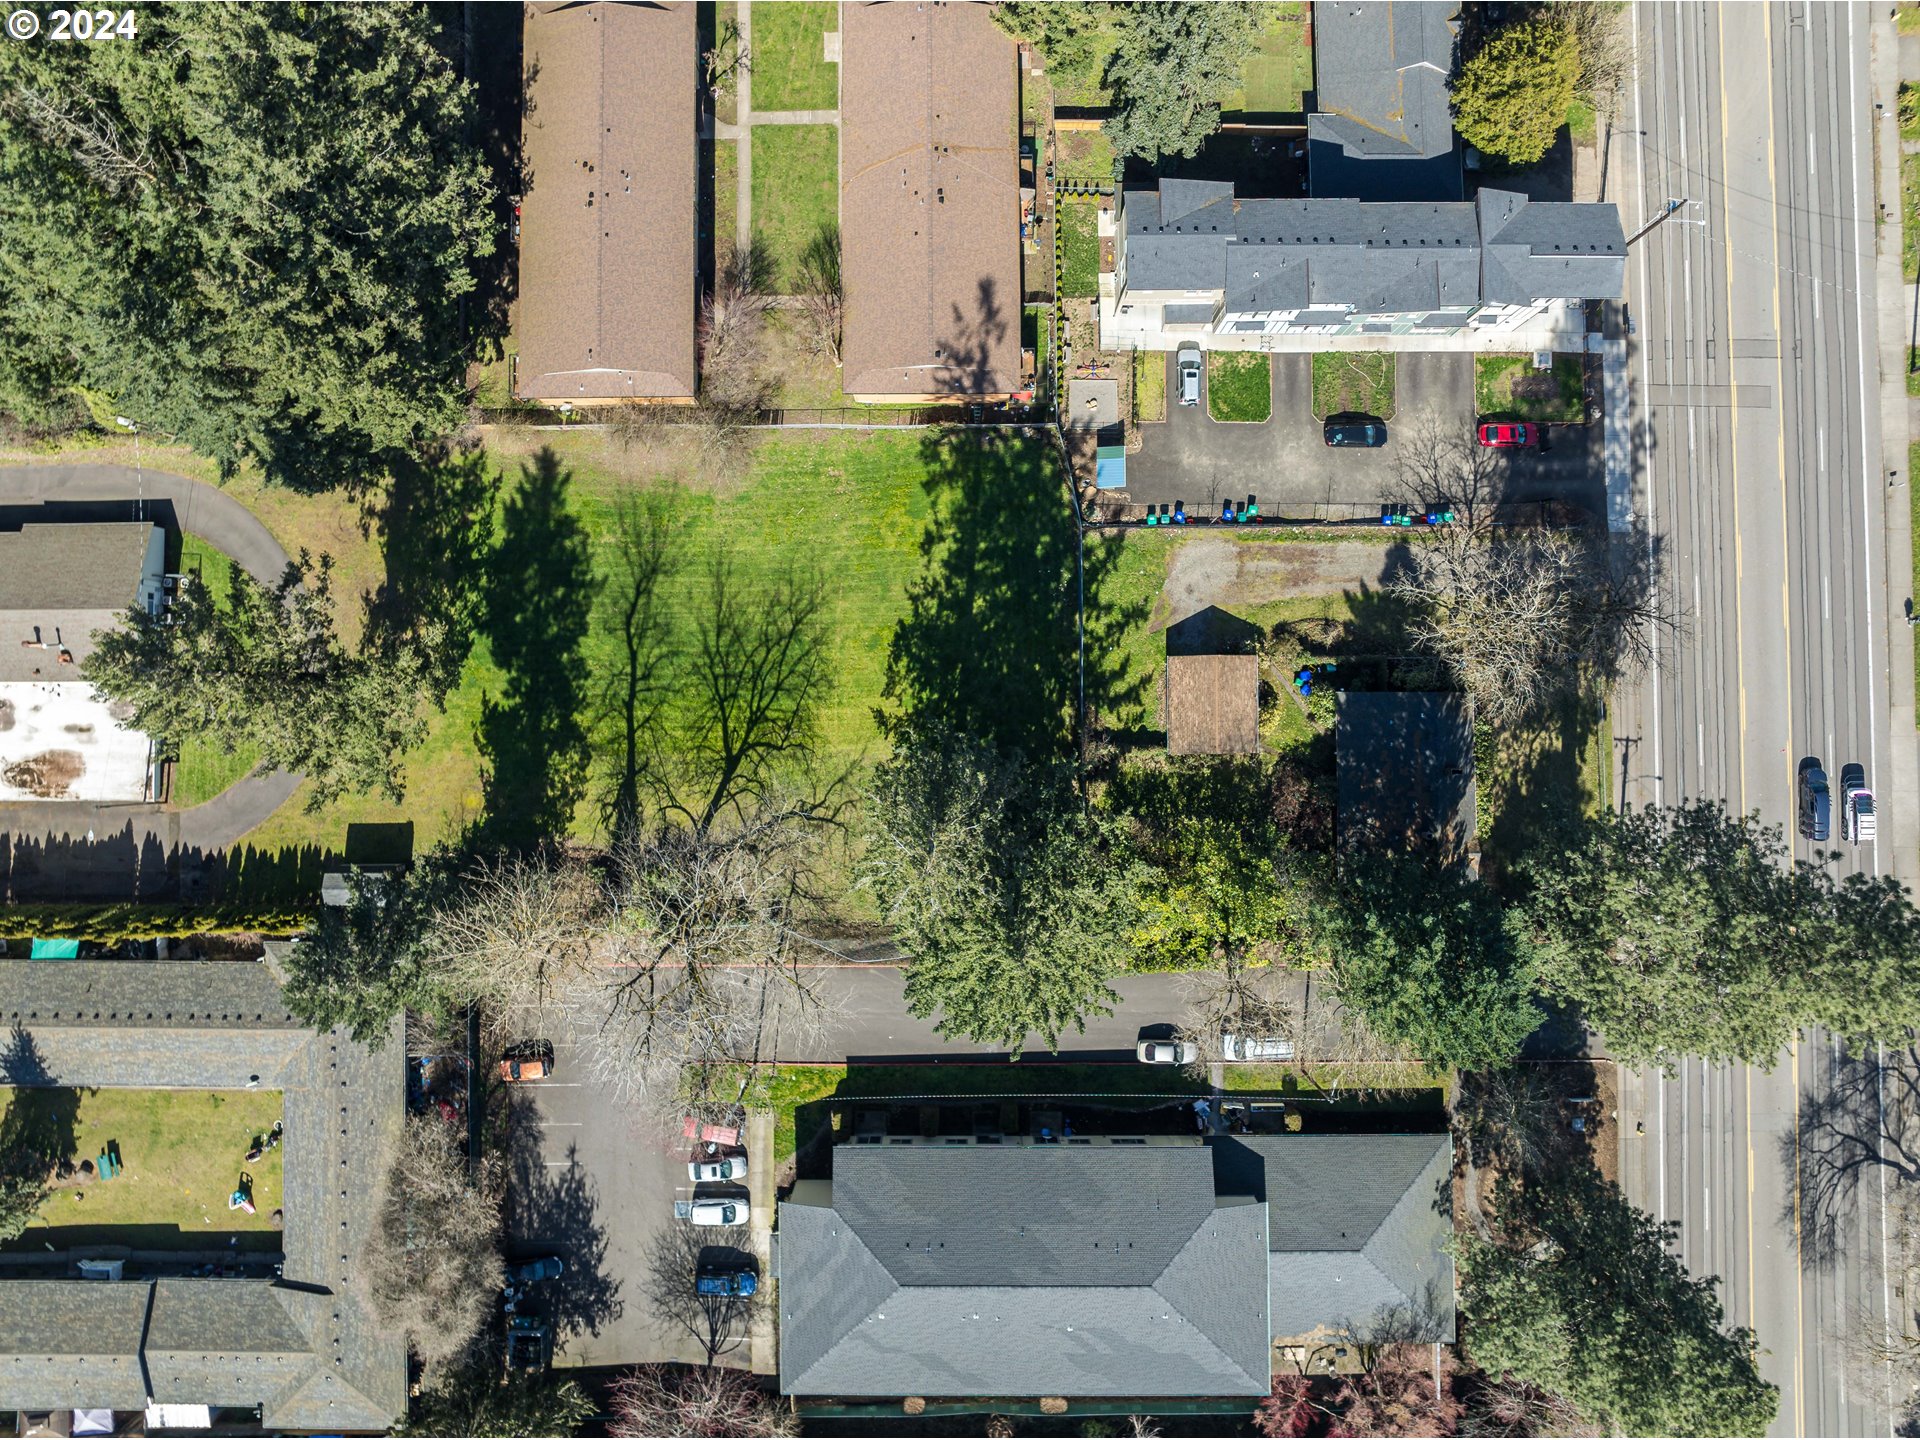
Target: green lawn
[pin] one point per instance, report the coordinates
(1275, 77)
(1533, 772)
(1129, 603)
(182, 1153)
(1543, 396)
(1910, 217)
(854, 505)
(1085, 155)
(1353, 382)
(1239, 386)
(796, 181)
(1149, 385)
(790, 71)
(1907, 17)
(1581, 122)
(204, 770)
(1079, 249)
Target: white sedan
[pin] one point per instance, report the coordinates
(717, 1212)
(1167, 1052)
(730, 1167)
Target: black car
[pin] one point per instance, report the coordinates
(1361, 431)
(1816, 802)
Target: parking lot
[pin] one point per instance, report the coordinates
(591, 1186)
(1192, 459)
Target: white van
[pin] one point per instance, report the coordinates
(1246, 1047)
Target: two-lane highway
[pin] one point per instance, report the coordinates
(1755, 390)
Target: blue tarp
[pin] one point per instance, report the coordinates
(1111, 471)
(55, 950)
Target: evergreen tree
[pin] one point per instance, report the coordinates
(1174, 63)
(1688, 931)
(249, 228)
(263, 668)
(363, 963)
(1014, 903)
(1432, 960)
(1510, 98)
(1580, 1295)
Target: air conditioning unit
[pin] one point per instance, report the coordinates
(1543, 359)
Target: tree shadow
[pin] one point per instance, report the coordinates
(1858, 1122)
(539, 596)
(557, 1208)
(436, 528)
(988, 647)
(493, 61)
(38, 1128)
(719, 1324)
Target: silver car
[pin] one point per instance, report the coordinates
(717, 1212)
(1188, 359)
(1166, 1052)
(1857, 819)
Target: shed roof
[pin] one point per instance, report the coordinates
(305, 1350)
(1028, 1270)
(607, 268)
(929, 200)
(1406, 773)
(1213, 704)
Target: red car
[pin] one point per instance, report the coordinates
(1509, 437)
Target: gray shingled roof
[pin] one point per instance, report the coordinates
(305, 1351)
(1024, 1270)
(1380, 76)
(1388, 257)
(68, 582)
(1358, 1225)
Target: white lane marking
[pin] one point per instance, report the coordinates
(575, 1124)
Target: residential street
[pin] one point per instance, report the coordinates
(1756, 391)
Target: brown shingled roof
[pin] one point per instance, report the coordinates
(607, 219)
(929, 200)
(1213, 704)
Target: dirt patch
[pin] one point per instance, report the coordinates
(1231, 572)
(50, 774)
(6, 715)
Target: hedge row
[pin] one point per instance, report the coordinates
(115, 924)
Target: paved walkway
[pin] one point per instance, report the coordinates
(743, 126)
(797, 117)
(63, 850)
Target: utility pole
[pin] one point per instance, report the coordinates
(1665, 211)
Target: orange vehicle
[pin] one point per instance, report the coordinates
(528, 1065)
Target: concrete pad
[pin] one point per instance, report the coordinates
(60, 741)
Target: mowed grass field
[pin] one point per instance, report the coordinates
(796, 190)
(790, 69)
(182, 1153)
(853, 506)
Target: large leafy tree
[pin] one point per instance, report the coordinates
(263, 668)
(1511, 96)
(1073, 39)
(1015, 904)
(1174, 64)
(249, 228)
(1689, 931)
(1577, 1293)
(1432, 960)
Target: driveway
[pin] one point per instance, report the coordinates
(1198, 461)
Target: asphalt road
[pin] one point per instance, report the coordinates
(1756, 387)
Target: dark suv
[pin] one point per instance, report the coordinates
(1358, 431)
(1816, 801)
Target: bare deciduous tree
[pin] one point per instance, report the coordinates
(718, 1324)
(735, 383)
(91, 138)
(1512, 1117)
(822, 298)
(1240, 999)
(1606, 47)
(1518, 613)
(431, 1264)
(670, 1400)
